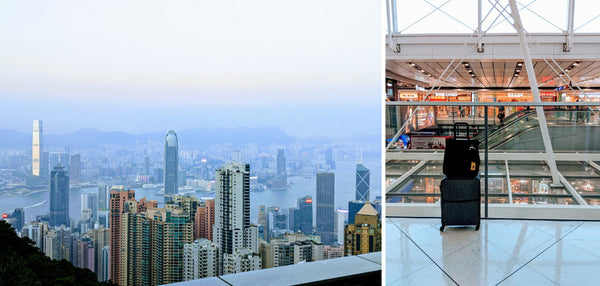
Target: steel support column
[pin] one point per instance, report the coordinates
(508, 185)
(570, 20)
(535, 92)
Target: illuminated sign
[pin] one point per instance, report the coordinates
(408, 95)
(515, 95)
(4, 215)
(308, 201)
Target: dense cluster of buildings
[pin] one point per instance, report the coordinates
(143, 242)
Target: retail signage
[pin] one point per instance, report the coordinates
(514, 95)
(428, 142)
(408, 96)
(560, 88)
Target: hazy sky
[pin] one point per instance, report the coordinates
(310, 67)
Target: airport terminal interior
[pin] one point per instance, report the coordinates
(526, 79)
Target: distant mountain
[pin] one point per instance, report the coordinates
(92, 138)
(14, 139)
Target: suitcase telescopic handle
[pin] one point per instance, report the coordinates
(456, 128)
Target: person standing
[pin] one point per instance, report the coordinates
(501, 114)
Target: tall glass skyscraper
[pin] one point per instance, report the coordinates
(363, 182)
(280, 163)
(325, 208)
(59, 196)
(37, 150)
(303, 216)
(171, 165)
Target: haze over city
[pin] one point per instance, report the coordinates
(144, 67)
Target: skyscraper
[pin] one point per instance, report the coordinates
(61, 158)
(232, 207)
(171, 165)
(280, 163)
(90, 201)
(303, 216)
(329, 159)
(37, 150)
(59, 196)
(325, 207)
(146, 165)
(363, 182)
(262, 221)
(118, 197)
(75, 167)
(364, 235)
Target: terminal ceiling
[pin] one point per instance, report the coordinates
(423, 39)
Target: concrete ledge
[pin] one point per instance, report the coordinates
(331, 271)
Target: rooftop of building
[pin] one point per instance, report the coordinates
(364, 269)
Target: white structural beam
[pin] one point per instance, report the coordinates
(497, 46)
(397, 182)
(534, 91)
(594, 165)
(493, 156)
(570, 20)
(508, 185)
(576, 196)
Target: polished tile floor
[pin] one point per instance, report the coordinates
(502, 252)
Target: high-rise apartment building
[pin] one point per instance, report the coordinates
(201, 259)
(363, 182)
(58, 243)
(325, 207)
(118, 197)
(292, 249)
(36, 231)
(152, 244)
(364, 235)
(87, 254)
(232, 206)
(240, 261)
(59, 197)
(37, 168)
(171, 165)
(330, 252)
(101, 240)
(205, 220)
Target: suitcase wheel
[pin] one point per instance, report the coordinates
(442, 228)
(477, 227)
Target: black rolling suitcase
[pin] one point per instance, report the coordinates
(460, 202)
(461, 156)
(461, 190)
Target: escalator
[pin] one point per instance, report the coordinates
(570, 130)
